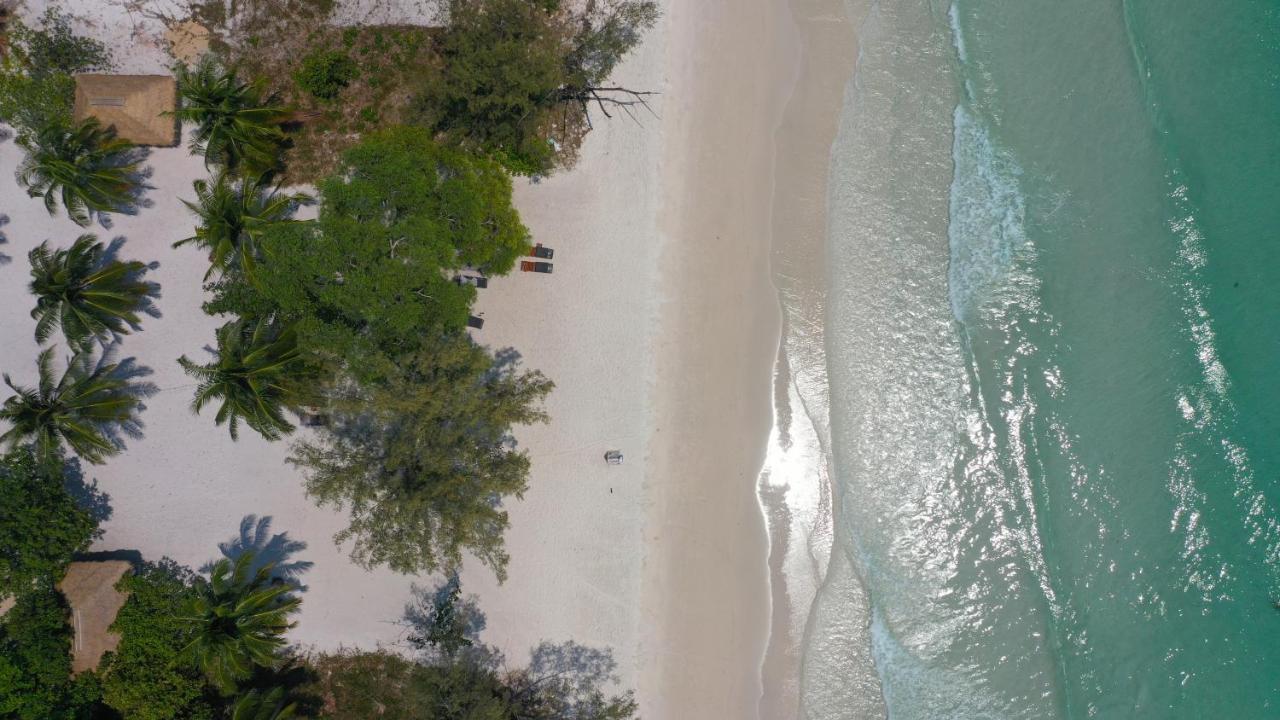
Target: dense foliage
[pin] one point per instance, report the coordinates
(423, 459)
(143, 678)
(86, 292)
(370, 275)
(84, 165)
(325, 73)
(517, 74)
(562, 682)
(35, 662)
(36, 86)
(41, 526)
(85, 409)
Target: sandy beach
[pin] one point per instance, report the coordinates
(660, 327)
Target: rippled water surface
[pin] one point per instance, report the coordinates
(1052, 346)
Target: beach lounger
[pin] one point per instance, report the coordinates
(530, 266)
(475, 322)
(479, 281)
(539, 251)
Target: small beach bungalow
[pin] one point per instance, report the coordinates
(140, 107)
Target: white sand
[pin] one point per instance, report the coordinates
(659, 327)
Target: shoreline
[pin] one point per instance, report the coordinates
(795, 485)
(706, 583)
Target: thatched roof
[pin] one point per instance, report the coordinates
(90, 590)
(135, 104)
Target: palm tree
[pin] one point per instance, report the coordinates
(87, 166)
(85, 292)
(238, 620)
(81, 409)
(256, 373)
(233, 217)
(236, 126)
(257, 705)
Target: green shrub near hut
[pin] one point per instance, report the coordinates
(325, 73)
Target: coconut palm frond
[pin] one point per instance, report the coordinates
(256, 369)
(85, 293)
(85, 166)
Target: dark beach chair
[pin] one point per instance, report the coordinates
(479, 281)
(530, 266)
(475, 322)
(545, 253)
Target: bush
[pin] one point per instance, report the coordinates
(41, 526)
(144, 679)
(36, 89)
(35, 663)
(325, 73)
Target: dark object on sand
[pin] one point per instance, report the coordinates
(529, 266)
(545, 253)
(475, 322)
(613, 457)
(479, 281)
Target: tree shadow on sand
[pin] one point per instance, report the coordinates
(137, 199)
(444, 624)
(276, 550)
(131, 372)
(5, 259)
(86, 492)
(148, 304)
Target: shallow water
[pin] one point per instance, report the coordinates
(1049, 342)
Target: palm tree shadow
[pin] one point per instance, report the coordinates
(275, 550)
(4, 239)
(148, 307)
(139, 186)
(130, 372)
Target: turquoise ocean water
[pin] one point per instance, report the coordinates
(1053, 355)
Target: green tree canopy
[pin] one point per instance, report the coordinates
(144, 678)
(370, 275)
(358, 686)
(35, 662)
(423, 459)
(84, 409)
(519, 72)
(561, 682)
(237, 621)
(36, 85)
(86, 292)
(41, 526)
(85, 165)
(502, 68)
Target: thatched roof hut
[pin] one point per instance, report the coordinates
(137, 105)
(90, 590)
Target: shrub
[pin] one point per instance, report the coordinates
(325, 73)
(36, 89)
(41, 526)
(35, 662)
(144, 679)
